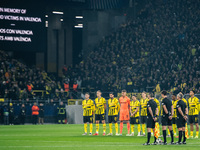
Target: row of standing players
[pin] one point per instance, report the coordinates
(173, 111)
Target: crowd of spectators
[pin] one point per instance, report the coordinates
(21, 82)
(159, 47)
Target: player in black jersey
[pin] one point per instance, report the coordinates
(168, 111)
(182, 112)
(152, 114)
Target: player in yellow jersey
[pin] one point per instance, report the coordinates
(100, 107)
(114, 108)
(88, 109)
(135, 113)
(143, 114)
(174, 102)
(193, 113)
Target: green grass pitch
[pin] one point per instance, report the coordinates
(62, 137)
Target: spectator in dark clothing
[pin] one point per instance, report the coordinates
(6, 115)
(1, 113)
(41, 114)
(22, 114)
(11, 114)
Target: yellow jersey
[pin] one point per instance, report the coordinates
(185, 101)
(88, 107)
(174, 106)
(114, 107)
(99, 103)
(193, 106)
(158, 105)
(143, 104)
(134, 106)
(161, 111)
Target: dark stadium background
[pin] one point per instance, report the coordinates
(137, 45)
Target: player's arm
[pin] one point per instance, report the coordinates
(198, 104)
(181, 112)
(186, 111)
(92, 107)
(172, 112)
(83, 106)
(157, 111)
(104, 101)
(165, 109)
(150, 111)
(158, 106)
(118, 107)
(130, 109)
(136, 110)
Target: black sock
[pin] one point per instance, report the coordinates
(164, 136)
(184, 138)
(155, 139)
(180, 136)
(172, 136)
(148, 137)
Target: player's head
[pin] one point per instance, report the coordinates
(163, 93)
(192, 93)
(87, 95)
(179, 96)
(35, 103)
(150, 95)
(134, 97)
(98, 93)
(144, 94)
(173, 96)
(111, 94)
(123, 92)
(61, 103)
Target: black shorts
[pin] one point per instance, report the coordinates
(193, 119)
(100, 117)
(173, 120)
(143, 119)
(87, 119)
(180, 122)
(134, 120)
(166, 121)
(150, 122)
(112, 119)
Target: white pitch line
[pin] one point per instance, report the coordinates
(128, 143)
(29, 146)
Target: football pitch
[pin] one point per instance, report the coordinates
(62, 137)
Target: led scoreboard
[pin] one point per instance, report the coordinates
(22, 26)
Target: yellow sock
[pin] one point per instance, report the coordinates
(116, 128)
(110, 126)
(191, 133)
(197, 133)
(104, 128)
(132, 128)
(143, 128)
(168, 131)
(85, 127)
(97, 128)
(139, 128)
(151, 130)
(91, 127)
(174, 128)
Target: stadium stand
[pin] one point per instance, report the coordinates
(151, 50)
(148, 53)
